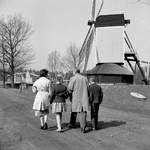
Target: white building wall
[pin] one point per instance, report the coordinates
(110, 44)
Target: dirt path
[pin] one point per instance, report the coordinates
(19, 128)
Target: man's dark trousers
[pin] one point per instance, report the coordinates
(83, 116)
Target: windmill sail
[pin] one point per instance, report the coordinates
(84, 47)
(87, 45)
(82, 53)
(93, 10)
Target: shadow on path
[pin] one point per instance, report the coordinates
(114, 123)
(64, 127)
(104, 125)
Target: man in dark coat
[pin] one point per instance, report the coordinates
(96, 97)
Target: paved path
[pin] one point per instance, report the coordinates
(19, 128)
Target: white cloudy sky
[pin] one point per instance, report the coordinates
(59, 22)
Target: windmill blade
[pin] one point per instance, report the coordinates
(100, 8)
(88, 47)
(82, 53)
(93, 10)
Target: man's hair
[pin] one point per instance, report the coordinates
(77, 70)
(43, 73)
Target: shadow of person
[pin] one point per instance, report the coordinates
(104, 125)
(64, 127)
(114, 123)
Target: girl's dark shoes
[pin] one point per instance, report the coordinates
(45, 127)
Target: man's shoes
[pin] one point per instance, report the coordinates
(83, 130)
(45, 126)
(71, 126)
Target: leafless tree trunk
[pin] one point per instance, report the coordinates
(14, 36)
(70, 60)
(53, 61)
(143, 1)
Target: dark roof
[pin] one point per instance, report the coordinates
(110, 69)
(110, 20)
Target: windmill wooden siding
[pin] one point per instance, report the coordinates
(110, 44)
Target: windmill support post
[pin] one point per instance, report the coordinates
(134, 56)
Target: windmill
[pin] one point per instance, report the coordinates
(108, 34)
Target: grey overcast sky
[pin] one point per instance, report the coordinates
(57, 23)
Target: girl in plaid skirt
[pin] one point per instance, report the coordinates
(58, 100)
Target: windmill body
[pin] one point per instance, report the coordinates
(108, 45)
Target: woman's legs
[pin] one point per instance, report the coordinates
(42, 122)
(59, 119)
(45, 121)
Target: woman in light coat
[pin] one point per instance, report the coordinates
(42, 87)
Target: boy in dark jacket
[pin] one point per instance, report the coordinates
(95, 99)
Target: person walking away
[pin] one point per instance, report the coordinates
(42, 87)
(78, 87)
(95, 99)
(58, 100)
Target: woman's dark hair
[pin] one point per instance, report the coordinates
(43, 73)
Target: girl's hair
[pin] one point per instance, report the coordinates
(59, 78)
(43, 73)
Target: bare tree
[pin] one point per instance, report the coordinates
(14, 42)
(143, 1)
(70, 60)
(53, 61)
